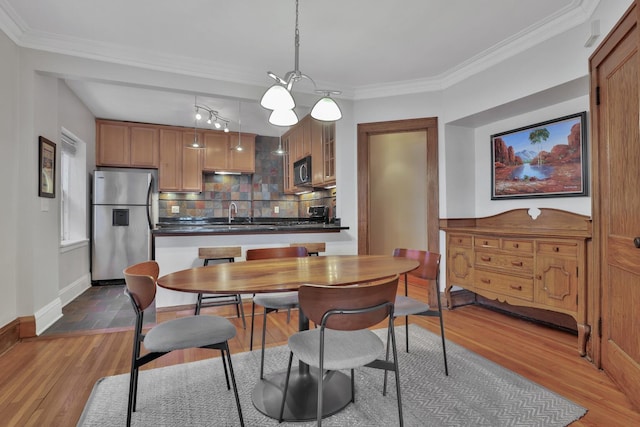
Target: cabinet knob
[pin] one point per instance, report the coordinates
(516, 287)
(636, 242)
(516, 263)
(515, 245)
(556, 249)
(487, 281)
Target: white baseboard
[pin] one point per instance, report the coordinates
(73, 290)
(49, 314)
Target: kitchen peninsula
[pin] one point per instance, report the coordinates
(175, 246)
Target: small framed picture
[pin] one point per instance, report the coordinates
(547, 159)
(47, 162)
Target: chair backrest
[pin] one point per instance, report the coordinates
(281, 252)
(316, 300)
(312, 247)
(220, 252)
(141, 282)
(429, 262)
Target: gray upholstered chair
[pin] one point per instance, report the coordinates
(429, 269)
(212, 332)
(272, 301)
(342, 340)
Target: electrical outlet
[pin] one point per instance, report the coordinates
(175, 209)
(276, 209)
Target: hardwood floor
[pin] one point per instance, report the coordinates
(46, 381)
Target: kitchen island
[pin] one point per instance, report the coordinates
(175, 246)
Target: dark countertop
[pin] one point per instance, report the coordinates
(205, 226)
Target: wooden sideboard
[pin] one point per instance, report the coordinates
(512, 257)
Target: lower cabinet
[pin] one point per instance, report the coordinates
(514, 259)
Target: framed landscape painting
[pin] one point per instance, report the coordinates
(546, 159)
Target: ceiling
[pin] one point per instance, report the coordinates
(364, 48)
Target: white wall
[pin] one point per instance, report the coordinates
(9, 177)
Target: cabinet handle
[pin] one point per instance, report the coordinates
(515, 245)
(459, 240)
(539, 277)
(485, 243)
(556, 249)
(517, 288)
(487, 281)
(486, 258)
(636, 242)
(517, 263)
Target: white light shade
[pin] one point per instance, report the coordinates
(326, 110)
(283, 118)
(277, 98)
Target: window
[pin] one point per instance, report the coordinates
(73, 178)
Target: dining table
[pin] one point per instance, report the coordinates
(283, 275)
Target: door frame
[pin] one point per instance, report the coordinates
(365, 131)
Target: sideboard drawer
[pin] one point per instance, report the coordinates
(461, 240)
(519, 287)
(487, 242)
(514, 263)
(558, 248)
(520, 246)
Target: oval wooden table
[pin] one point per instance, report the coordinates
(287, 274)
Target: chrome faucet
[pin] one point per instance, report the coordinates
(235, 207)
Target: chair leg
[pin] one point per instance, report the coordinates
(240, 310)
(198, 304)
(253, 316)
(320, 389)
(233, 381)
(264, 336)
(397, 371)
(406, 330)
(353, 386)
(224, 365)
(386, 373)
(286, 387)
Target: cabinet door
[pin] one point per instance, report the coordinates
(113, 144)
(192, 169)
(329, 147)
(303, 140)
(317, 153)
(287, 163)
(216, 151)
(191, 166)
(245, 160)
(144, 146)
(557, 282)
(170, 169)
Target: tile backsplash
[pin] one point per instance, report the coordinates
(257, 195)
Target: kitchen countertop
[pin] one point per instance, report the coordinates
(204, 226)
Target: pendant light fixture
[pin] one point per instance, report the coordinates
(279, 151)
(278, 97)
(239, 146)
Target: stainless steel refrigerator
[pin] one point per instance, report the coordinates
(121, 223)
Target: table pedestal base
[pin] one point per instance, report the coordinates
(302, 395)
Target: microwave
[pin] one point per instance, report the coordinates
(302, 172)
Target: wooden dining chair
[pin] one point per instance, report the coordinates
(313, 248)
(429, 269)
(213, 332)
(342, 340)
(272, 301)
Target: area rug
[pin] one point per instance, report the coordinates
(477, 392)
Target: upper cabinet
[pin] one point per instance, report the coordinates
(221, 155)
(313, 138)
(168, 148)
(123, 144)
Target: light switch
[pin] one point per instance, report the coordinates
(276, 209)
(175, 209)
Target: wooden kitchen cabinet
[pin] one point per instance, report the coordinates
(313, 138)
(220, 156)
(180, 165)
(323, 158)
(170, 170)
(513, 258)
(123, 144)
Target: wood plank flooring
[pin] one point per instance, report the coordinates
(46, 381)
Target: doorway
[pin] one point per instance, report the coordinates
(367, 131)
(398, 191)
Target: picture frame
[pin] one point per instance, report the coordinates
(46, 168)
(547, 159)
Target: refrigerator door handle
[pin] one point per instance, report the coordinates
(150, 203)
